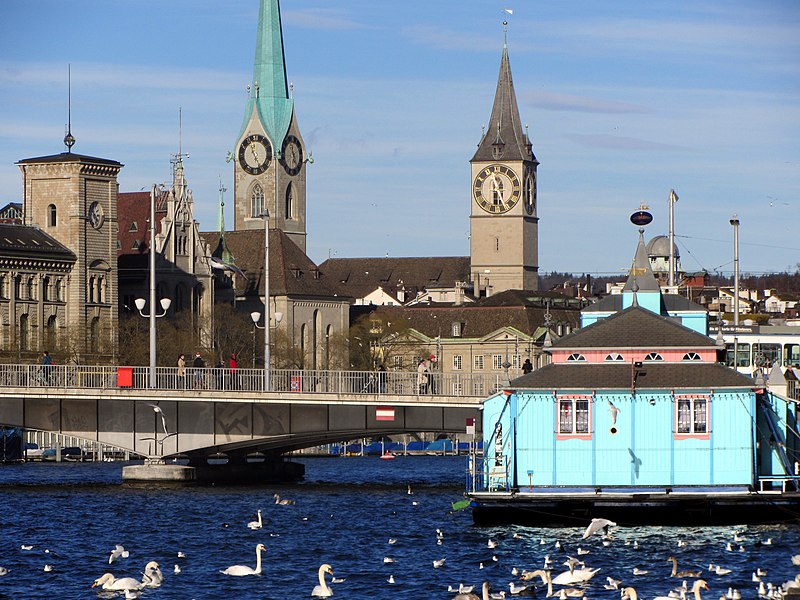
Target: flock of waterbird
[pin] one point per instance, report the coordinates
(575, 580)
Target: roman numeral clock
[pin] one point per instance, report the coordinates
(496, 189)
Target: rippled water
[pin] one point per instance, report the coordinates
(346, 510)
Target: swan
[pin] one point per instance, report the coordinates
(152, 576)
(698, 585)
(322, 590)
(681, 574)
(256, 524)
(282, 501)
(242, 570)
(109, 582)
(577, 576)
(545, 575)
(118, 552)
(472, 596)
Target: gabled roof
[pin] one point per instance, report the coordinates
(291, 272)
(133, 220)
(634, 327)
(29, 242)
(70, 157)
(358, 277)
(670, 303)
(670, 376)
(504, 125)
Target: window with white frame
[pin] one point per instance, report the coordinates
(653, 357)
(477, 362)
(576, 357)
(691, 415)
(457, 362)
(615, 357)
(397, 363)
(497, 361)
(692, 356)
(573, 416)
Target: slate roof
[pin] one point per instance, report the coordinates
(635, 327)
(24, 241)
(133, 219)
(358, 277)
(594, 376)
(68, 157)
(292, 273)
(670, 303)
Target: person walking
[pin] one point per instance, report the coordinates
(422, 377)
(233, 366)
(527, 367)
(219, 372)
(182, 371)
(47, 368)
(198, 365)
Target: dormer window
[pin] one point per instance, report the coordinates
(134, 227)
(576, 357)
(457, 328)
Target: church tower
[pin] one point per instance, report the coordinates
(270, 155)
(504, 228)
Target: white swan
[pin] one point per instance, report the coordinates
(242, 570)
(152, 576)
(109, 582)
(256, 524)
(577, 576)
(322, 590)
(698, 585)
(471, 596)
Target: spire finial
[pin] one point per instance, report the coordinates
(505, 26)
(69, 139)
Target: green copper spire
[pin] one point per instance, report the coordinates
(268, 90)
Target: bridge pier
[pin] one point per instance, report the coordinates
(156, 471)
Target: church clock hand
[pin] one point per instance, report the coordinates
(255, 154)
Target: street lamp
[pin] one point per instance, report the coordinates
(265, 216)
(735, 224)
(255, 316)
(140, 304)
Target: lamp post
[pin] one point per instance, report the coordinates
(673, 198)
(165, 302)
(255, 316)
(735, 225)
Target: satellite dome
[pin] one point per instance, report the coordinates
(659, 247)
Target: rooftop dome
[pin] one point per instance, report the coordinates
(659, 246)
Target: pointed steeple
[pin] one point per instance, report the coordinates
(641, 278)
(505, 138)
(269, 94)
(221, 251)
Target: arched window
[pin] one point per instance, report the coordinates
(94, 328)
(52, 215)
(692, 356)
(327, 350)
(257, 201)
(653, 356)
(615, 357)
(24, 337)
(46, 291)
(576, 357)
(30, 289)
(50, 332)
(289, 202)
(303, 344)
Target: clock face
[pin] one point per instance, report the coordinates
(496, 189)
(292, 153)
(255, 154)
(529, 192)
(96, 215)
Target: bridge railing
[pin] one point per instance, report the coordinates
(390, 383)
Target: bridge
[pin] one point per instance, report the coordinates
(216, 411)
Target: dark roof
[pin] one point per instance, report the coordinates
(29, 242)
(133, 220)
(69, 157)
(358, 277)
(670, 303)
(635, 327)
(532, 298)
(504, 125)
(593, 376)
(291, 272)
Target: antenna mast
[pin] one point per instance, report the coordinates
(69, 139)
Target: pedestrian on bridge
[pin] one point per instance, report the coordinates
(422, 376)
(233, 366)
(47, 368)
(198, 364)
(182, 371)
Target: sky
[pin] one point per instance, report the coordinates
(624, 101)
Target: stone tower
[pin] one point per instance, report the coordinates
(504, 227)
(270, 156)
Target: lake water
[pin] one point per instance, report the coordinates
(346, 510)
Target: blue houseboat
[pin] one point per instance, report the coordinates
(636, 420)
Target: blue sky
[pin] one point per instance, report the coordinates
(624, 100)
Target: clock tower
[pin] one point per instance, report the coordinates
(270, 156)
(504, 226)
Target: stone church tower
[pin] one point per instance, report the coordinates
(504, 227)
(270, 155)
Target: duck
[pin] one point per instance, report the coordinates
(681, 574)
(322, 590)
(258, 524)
(108, 582)
(243, 570)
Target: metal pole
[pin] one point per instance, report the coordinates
(673, 198)
(153, 287)
(735, 223)
(266, 302)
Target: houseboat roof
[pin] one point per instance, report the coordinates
(617, 376)
(635, 327)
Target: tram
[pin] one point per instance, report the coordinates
(761, 346)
